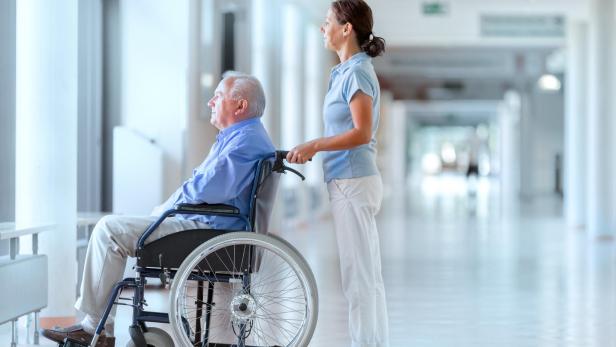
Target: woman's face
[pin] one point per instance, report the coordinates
(332, 31)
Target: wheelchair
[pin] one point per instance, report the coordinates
(228, 288)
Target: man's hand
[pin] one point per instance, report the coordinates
(302, 153)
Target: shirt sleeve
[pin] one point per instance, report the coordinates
(356, 81)
(223, 181)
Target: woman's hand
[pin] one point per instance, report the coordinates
(360, 134)
(302, 153)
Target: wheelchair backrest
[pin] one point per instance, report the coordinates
(264, 190)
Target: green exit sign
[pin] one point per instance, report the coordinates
(435, 8)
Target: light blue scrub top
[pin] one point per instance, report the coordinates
(345, 80)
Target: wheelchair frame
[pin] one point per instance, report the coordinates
(141, 316)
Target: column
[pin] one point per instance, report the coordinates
(599, 207)
(266, 60)
(313, 104)
(509, 121)
(526, 142)
(576, 112)
(7, 110)
(90, 94)
(46, 138)
(291, 103)
(396, 147)
(292, 78)
(7, 125)
(200, 134)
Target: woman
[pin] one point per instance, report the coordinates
(351, 115)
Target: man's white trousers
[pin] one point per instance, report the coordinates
(355, 203)
(113, 240)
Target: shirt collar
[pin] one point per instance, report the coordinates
(353, 60)
(236, 126)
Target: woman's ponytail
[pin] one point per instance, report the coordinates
(373, 46)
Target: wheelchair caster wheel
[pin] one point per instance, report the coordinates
(136, 336)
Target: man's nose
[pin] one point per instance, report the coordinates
(211, 102)
(322, 30)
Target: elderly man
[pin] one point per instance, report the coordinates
(225, 176)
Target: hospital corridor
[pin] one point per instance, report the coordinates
(348, 173)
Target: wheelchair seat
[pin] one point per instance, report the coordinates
(170, 251)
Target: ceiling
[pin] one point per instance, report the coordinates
(446, 73)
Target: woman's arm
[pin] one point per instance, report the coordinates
(361, 113)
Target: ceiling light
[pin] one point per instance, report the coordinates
(549, 83)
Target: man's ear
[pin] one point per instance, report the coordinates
(241, 107)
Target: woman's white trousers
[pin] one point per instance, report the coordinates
(355, 203)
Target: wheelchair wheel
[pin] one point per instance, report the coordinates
(244, 288)
(155, 337)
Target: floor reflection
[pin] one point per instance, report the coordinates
(462, 270)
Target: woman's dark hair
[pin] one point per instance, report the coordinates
(359, 14)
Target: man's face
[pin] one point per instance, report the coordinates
(222, 105)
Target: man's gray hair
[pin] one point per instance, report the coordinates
(247, 87)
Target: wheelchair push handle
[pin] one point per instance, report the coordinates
(279, 166)
(284, 154)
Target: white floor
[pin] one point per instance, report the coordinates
(465, 268)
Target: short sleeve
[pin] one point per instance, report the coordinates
(357, 80)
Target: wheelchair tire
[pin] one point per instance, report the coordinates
(269, 294)
(155, 337)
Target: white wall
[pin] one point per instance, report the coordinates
(137, 173)
(155, 37)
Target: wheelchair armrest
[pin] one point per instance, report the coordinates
(201, 209)
(206, 208)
